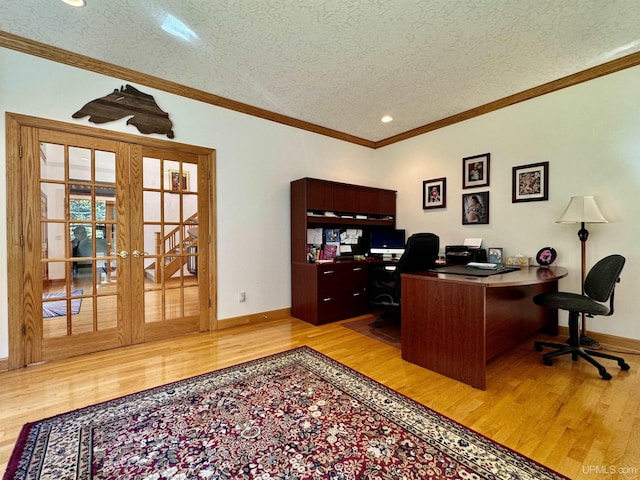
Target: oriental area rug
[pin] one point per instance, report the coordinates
(58, 308)
(291, 416)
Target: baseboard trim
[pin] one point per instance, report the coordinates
(630, 344)
(254, 318)
(4, 364)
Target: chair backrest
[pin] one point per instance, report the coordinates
(420, 253)
(602, 278)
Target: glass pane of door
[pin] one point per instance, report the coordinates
(78, 227)
(170, 238)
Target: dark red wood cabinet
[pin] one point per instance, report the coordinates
(326, 292)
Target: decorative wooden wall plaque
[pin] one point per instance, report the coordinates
(147, 116)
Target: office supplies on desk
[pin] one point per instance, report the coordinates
(473, 272)
(463, 254)
(472, 242)
(484, 265)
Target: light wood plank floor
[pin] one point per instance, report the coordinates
(563, 416)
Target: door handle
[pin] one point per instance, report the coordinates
(137, 253)
(122, 254)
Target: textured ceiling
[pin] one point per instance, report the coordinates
(342, 64)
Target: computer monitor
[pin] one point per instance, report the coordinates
(386, 242)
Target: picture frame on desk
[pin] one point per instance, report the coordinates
(475, 171)
(475, 208)
(530, 183)
(495, 255)
(434, 193)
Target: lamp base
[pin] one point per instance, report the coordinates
(586, 341)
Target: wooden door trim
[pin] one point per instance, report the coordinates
(31, 247)
(83, 130)
(207, 184)
(14, 122)
(15, 266)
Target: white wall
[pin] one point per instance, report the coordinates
(256, 160)
(589, 134)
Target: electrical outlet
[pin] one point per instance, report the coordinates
(242, 296)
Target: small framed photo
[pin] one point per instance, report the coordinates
(495, 255)
(434, 193)
(475, 171)
(176, 183)
(475, 208)
(530, 183)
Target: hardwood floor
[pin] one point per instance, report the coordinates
(564, 416)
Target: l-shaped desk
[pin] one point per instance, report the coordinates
(454, 324)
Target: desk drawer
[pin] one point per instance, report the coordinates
(342, 290)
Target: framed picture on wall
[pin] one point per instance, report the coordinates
(475, 208)
(475, 171)
(530, 183)
(178, 183)
(434, 193)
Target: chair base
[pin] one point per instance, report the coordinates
(392, 314)
(586, 341)
(575, 349)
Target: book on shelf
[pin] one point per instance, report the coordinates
(330, 251)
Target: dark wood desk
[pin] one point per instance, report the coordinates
(454, 324)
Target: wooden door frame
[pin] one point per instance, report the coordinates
(15, 259)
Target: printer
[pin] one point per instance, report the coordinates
(463, 254)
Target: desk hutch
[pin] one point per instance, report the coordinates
(325, 292)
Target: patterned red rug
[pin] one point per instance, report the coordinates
(294, 415)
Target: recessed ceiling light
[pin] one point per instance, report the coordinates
(386, 119)
(75, 3)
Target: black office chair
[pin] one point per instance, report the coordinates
(599, 287)
(420, 254)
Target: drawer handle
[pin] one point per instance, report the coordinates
(357, 269)
(327, 299)
(357, 294)
(327, 272)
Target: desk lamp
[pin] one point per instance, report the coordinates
(583, 209)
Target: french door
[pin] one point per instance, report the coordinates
(116, 243)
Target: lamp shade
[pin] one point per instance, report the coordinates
(582, 209)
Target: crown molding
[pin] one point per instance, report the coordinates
(66, 57)
(613, 66)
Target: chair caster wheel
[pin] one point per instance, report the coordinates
(547, 362)
(624, 366)
(605, 375)
(538, 347)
